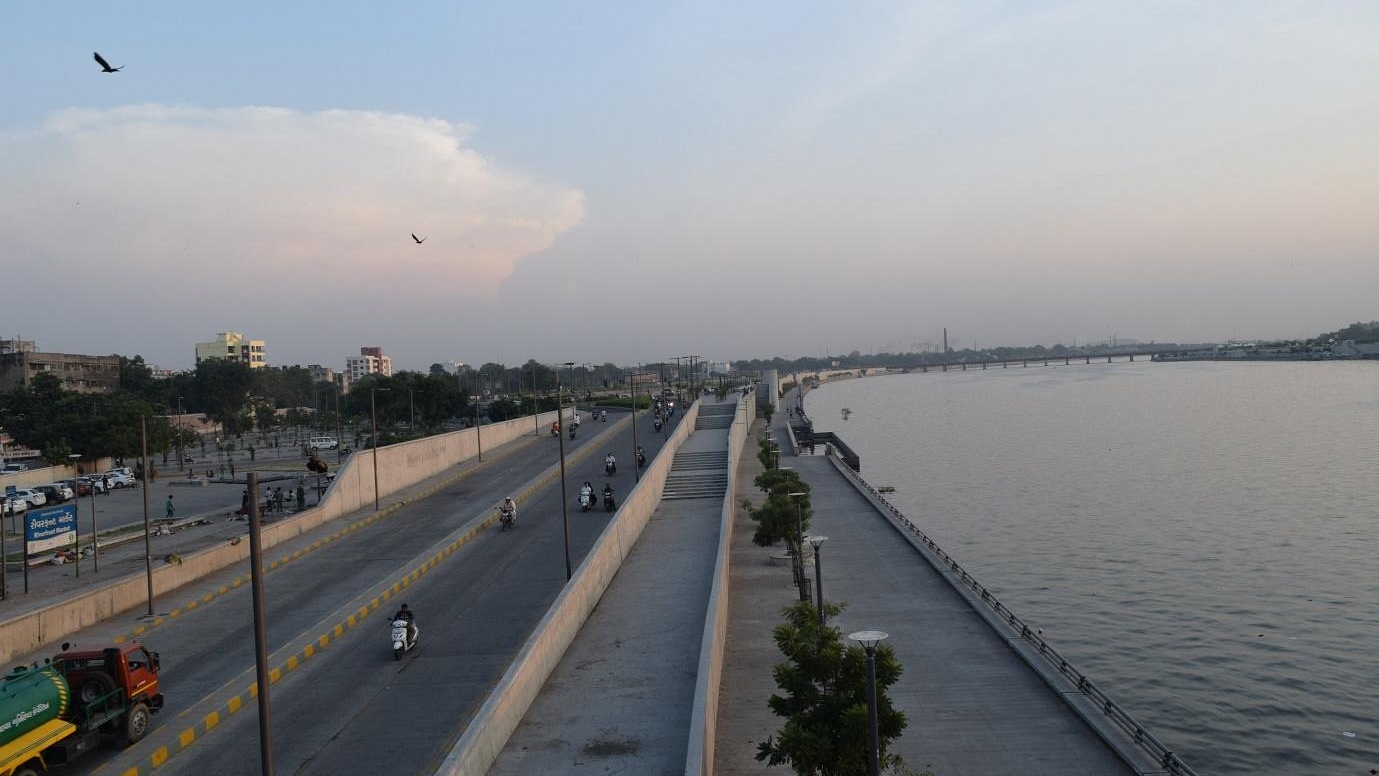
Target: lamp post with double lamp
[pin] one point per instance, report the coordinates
(869, 640)
(564, 490)
(181, 456)
(374, 390)
(478, 435)
(816, 542)
(799, 545)
(148, 542)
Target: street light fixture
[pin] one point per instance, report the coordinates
(869, 640)
(374, 390)
(816, 542)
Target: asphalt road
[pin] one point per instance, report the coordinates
(351, 707)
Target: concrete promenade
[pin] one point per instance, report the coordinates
(620, 699)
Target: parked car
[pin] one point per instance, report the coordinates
(95, 482)
(33, 497)
(79, 486)
(323, 443)
(13, 506)
(120, 478)
(55, 494)
(11, 468)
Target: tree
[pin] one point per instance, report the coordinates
(823, 699)
(767, 410)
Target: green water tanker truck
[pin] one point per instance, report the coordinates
(53, 714)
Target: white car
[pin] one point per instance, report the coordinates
(323, 443)
(13, 506)
(119, 478)
(33, 497)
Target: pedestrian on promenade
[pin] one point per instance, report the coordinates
(169, 507)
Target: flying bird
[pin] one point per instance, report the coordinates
(419, 240)
(105, 66)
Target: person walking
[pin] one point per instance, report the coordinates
(169, 508)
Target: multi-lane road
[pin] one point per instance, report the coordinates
(350, 707)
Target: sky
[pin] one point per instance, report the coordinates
(627, 182)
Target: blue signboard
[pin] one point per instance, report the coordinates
(49, 527)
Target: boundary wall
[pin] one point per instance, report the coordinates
(1127, 738)
(496, 720)
(399, 466)
(703, 732)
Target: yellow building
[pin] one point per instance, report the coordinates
(233, 346)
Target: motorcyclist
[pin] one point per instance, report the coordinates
(587, 489)
(555, 428)
(607, 494)
(406, 614)
(641, 456)
(610, 464)
(509, 507)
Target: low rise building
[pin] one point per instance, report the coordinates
(233, 346)
(80, 373)
(370, 361)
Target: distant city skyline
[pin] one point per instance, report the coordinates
(612, 182)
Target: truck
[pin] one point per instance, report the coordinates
(52, 715)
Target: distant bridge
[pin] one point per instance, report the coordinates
(1005, 363)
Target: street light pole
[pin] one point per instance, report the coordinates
(76, 510)
(373, 413)
(564, 490)
(148, 542)
(260, 625)
(636, 464)
(181, 456)
(869, 640)
(478, 435)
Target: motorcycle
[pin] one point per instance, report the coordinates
(641, 459)
(609, 467)
(657, 424)
(608, 504)
(603, 416)
(506, 518)
(555, 429)
(401, 643)
(586, 502)
(572, 432)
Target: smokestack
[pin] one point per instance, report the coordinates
(945, 339)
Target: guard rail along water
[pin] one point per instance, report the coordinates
(1112, 711)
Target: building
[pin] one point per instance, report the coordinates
(370, 361)
(82, 374)
(321, 374)
(233, 346)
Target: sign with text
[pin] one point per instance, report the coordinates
(50, 527)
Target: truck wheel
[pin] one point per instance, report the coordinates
(95, 686)
(136, 723)
(26, 771)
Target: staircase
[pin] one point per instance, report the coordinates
(715, 416)
(697, 475)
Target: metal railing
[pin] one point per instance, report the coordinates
(1113, 711)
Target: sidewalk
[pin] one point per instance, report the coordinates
(974, 707)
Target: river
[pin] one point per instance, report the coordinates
(1201, 539)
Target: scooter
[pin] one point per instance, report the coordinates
(400, 642)
(506, 518)
(608, 504)
(603, 416)
(586, 502)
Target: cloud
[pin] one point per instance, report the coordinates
(279, 203)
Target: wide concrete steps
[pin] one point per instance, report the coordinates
(697, 475)
(716, 416)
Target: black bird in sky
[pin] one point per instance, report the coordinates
(419, 240)
(105, 66)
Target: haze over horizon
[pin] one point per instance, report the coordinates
(613, 182)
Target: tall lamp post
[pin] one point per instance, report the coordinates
(636, 464)
(564, 490)
(478, 435)
(799, 545)
(181, 456)
(816, 542)
(374, 390)
(76, 511)
(869, 640)
(148, 542)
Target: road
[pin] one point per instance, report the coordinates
(352, 707)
